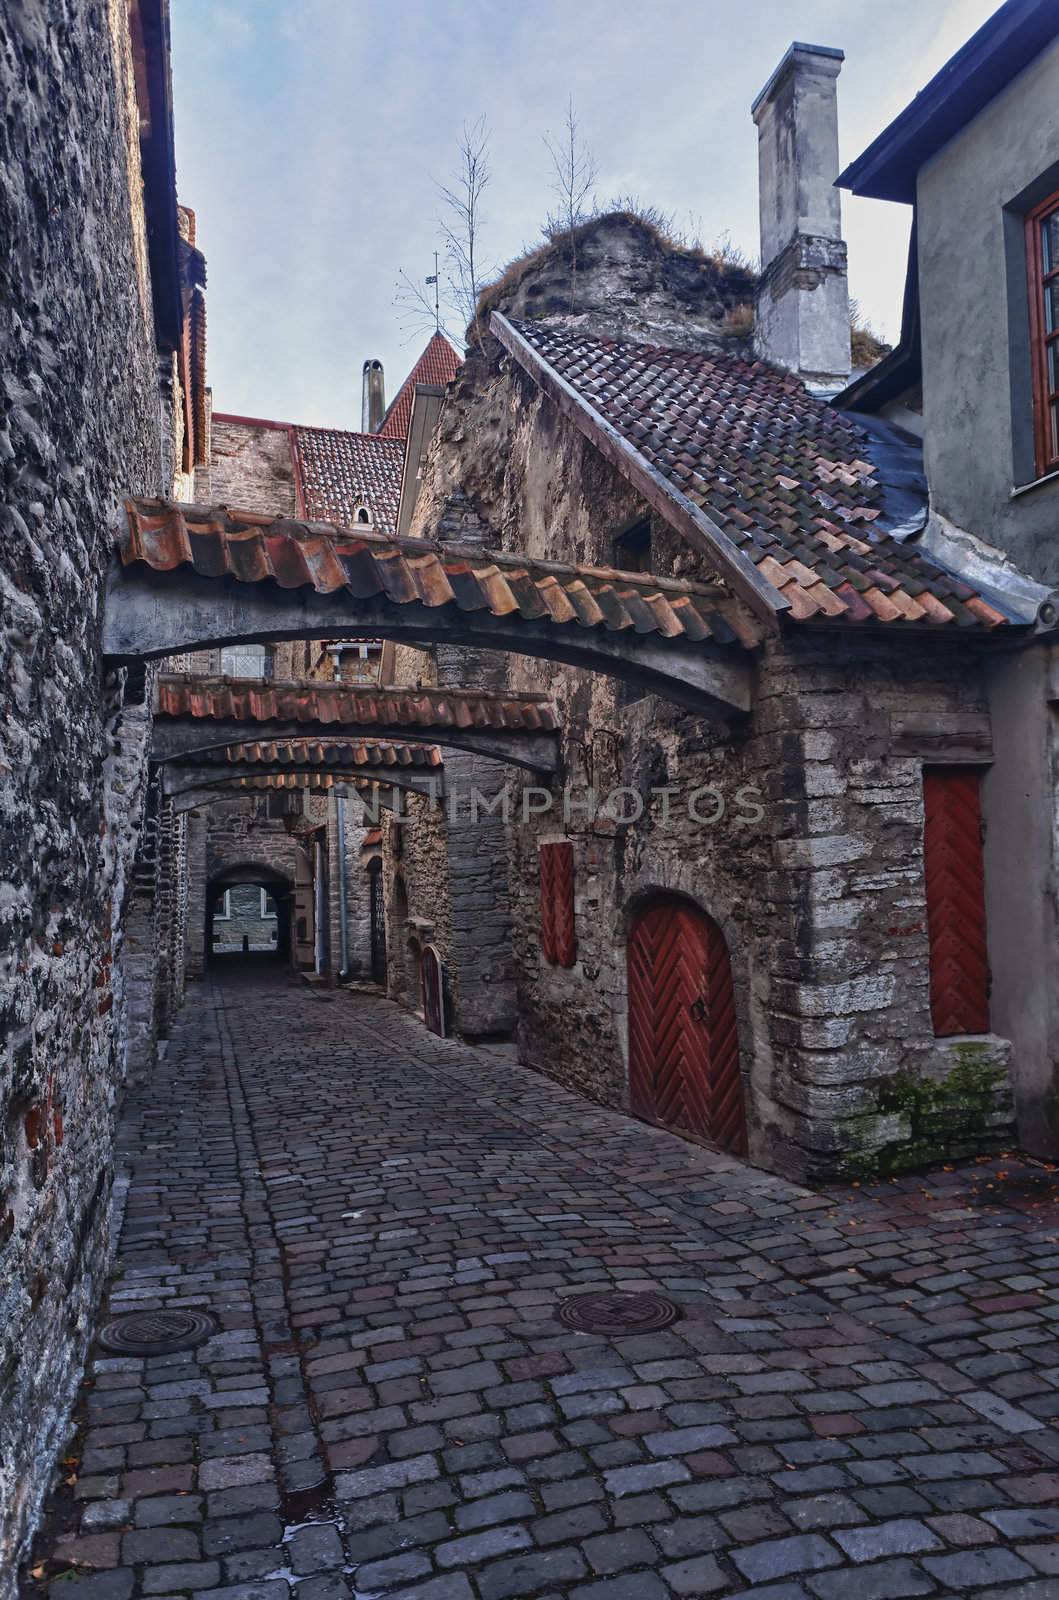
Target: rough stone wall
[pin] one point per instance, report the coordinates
(241, 835)
(820, 898)
(79, 425)
(418, 906)
(251, 467)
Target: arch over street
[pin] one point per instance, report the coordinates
(196, 716)
(190, 578)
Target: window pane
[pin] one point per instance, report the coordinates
(1054, 429)
(1051, 306)
(1050, 241)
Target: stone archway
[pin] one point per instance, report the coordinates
(227, 885)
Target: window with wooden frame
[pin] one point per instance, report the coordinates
(558, 939)
(955, 883)
(1042, 258)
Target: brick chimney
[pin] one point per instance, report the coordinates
(372, 397)
(803, 302)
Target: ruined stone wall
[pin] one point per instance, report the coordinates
(80, 424)
(820, 896)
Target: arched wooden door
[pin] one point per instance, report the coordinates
(683, 1041)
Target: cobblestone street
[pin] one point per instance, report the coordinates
(860, 1398)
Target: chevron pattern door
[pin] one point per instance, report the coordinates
(952, 858)
(683, 1040)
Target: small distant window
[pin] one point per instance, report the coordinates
(632, 549)
(1042, 255)
(363, 515)
(246, 661)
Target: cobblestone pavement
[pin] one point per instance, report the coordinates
(859, 1400)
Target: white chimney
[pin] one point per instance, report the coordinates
(803, 301)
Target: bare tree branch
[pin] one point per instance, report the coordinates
(574, 177)
(461, 225)
(416, 311)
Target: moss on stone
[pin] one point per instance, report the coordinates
(949, 1117)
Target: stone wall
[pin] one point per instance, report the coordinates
(251, 467)
(79, 425)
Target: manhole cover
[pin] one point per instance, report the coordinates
(156, 1333)
(614, 1312)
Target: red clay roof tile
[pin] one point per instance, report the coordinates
(438, 364)
(219, 542)
(785, 476)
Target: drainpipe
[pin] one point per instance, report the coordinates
(343, 908)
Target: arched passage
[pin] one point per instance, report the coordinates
(683, 1038)
(192, 578)
(232, 928)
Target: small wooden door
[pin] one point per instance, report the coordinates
(683, 1041)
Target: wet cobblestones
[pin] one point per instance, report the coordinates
(859, 1399)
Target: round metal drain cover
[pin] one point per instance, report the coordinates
(156, 1333)
(614, 1312)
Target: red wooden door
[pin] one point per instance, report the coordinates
(683, 1041)
(952, 858)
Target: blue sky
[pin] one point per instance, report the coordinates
(310, 137)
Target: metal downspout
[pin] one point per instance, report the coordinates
(343, 908)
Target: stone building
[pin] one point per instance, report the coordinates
(778, 938)
(725, 658)
(102, 292)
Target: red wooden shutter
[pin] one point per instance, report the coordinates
(952, 855)
(558, 940)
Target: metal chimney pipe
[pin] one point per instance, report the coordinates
(373, 397)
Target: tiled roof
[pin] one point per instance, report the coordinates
(340, 472)
(438, 364)
(264, 700)
(788, 480)
(220, 543)
(297, 780)
(344, 753)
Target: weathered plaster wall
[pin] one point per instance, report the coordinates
(1021, 812)
(977, 392)
(79, 425)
